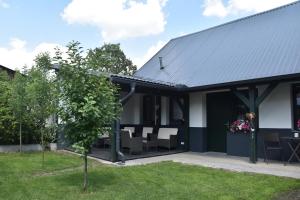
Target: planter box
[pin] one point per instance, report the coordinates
(16, 148)
(238, 144)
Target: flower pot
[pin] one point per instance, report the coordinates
(53, 146)
(238, 144)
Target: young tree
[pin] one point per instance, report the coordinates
(18, 101)
(110, 59)
(41, 95)
(88, 103)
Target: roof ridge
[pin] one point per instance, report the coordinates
(239, 19)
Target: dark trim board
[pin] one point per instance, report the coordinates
(198, 139)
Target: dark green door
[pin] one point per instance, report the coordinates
(219, 113)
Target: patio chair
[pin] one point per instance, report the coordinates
(134, 144)
(103, 140)
(149, 139)
(167, 137)
(131, 130)
(146, 131)
(272, 143)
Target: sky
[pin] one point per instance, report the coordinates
(141, 27)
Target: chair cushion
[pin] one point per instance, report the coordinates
(147, 130)
(130, 129)
(164, 133)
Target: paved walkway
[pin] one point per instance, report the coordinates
(220, 161)
(223, 161)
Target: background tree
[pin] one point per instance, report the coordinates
(7, 120)
(18, 101)
(88, 103)
(41, 96)
(110, 59)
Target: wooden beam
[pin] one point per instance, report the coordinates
(265, 94)
(242, 97)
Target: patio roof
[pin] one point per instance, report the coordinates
(265, 45)
(147, 82)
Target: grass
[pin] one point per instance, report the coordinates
(22, 177)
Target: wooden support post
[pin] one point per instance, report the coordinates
(114, 156)
(253, 103)
(186, 117)
(253, 108)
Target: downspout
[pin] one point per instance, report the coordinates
(123, 101)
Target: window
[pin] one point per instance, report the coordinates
(176, 115)
(296, 106)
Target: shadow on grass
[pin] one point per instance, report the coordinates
(97, 180)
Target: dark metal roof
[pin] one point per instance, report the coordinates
(259, 46)
(7, 69)
(144, 81)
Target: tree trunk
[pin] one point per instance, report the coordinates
(43, 149)
(85, 172)
(20, 133)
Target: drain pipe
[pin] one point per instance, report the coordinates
(123, 101)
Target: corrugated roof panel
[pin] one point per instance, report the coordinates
(263, 45)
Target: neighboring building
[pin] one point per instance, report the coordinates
(10, 72)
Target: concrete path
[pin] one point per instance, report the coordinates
(219, 161)
(223, 161)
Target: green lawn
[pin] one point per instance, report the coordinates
(22, 177)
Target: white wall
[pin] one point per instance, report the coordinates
(275, 111)
(198, 109)
(132, 110)
(165, 111)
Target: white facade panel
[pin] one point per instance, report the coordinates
(165, 111)
(198, 109)
(276, 110)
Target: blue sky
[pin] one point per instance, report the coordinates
(141, 26)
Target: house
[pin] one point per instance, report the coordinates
(9, 71)
(203, 81)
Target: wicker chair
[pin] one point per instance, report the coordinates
(272, 143)
(134, 144)
(149, 139)
(167, 137)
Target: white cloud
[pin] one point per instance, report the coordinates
(118, 19)
(3, 4)
(139, 62)
(220, 9)
(17, 55)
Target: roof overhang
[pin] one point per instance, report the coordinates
(246, 83)
(146, 83)
(127, 80)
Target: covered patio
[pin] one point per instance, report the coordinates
(154, 121)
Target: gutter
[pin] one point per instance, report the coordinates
(123, 101)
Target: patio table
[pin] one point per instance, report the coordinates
(294, 145)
